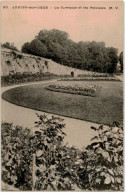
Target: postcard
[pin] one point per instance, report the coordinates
(62, 96)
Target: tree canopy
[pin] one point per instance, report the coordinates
(121, 60)
(9, 46)
(56, 45)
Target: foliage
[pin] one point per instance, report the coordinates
(18, 147)
(121, 60)
(9, 46)
(18, 78)
(52, 155)
(59, 167)
(95, 74)
(16, 156)
(91, 78)
(56, 45)
(103, 160)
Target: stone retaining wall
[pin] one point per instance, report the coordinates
(18, 62)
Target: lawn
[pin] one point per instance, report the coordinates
(105, 108)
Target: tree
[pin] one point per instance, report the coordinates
(53, 35)
(36, 47)
(56, 45)
(113, 59)
(121, 60)
(9, 46)
(25, 48)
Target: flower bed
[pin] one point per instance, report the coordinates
(87, 90)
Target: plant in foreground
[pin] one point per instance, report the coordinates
(103, 161)
(59, 167)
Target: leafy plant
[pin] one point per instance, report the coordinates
(91, 78)
(18, 77)
(51, 155)
(16, 156)
(59, 167)
(103, 160)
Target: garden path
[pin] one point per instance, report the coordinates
(78, 132)
(120, 77)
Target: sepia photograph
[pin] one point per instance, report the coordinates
(62, 96)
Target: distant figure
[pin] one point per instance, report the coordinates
(72, 74)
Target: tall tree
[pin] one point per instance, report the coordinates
(26, 48)
(56, 45)
(121, 60)
(113, 59)
(36, 47)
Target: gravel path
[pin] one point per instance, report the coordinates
(78, 132)
(120, 77)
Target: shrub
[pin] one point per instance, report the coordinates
(16, 156)
(91, 79)
(59, 167)
(28, 77)
(18, 147)
(52, 156)
(103, 161)
(95, 74)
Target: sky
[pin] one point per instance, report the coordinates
(93, 24)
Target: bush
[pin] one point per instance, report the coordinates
(16, 156)
(18, 78)
(52, 156)
(103, 161)
(18, 147)
(59, 167)
(95, 78)
(95, 74)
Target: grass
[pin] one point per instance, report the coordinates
(105, 108)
